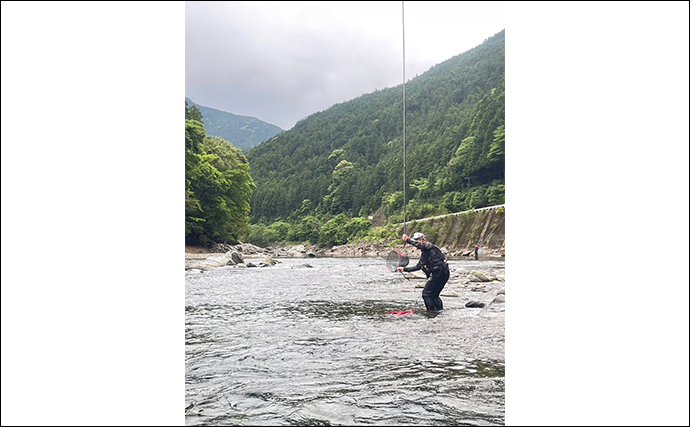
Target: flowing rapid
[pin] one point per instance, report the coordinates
(309, 342)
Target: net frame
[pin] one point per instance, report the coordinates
(396, 259)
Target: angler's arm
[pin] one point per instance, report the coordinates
(416, 267)
(417, 244)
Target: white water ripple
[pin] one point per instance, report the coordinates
(284, 345)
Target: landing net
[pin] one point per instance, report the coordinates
(396, 259)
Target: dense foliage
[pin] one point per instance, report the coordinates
(240, 131)
(218, 186)
(318, 181)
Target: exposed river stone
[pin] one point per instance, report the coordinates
(474, 304)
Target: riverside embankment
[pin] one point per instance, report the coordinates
(459, 232)
(456, 234)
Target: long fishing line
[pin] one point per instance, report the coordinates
(492, 231)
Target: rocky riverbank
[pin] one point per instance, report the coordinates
(245, 255)
(359, 249)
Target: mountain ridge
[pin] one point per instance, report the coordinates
(243, 132)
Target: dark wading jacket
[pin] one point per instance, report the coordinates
(431, 261)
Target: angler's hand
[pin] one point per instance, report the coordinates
(400, 268)
(404, 237)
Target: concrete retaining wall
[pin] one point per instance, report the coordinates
(462, 230)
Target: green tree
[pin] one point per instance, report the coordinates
(282, 230)
(477, 198)
(233, 203)
(496, 195)
(333, 232)
(257, 235)
(194, 217)
(340, 197)
(497, 151)
(218, 187)
(356, 228)
(465, 158)
(393, 203)
(192, 112)
(305, 230)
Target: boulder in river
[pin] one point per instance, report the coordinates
(479, 276)
(229, 258)
(500, 298)
(474, 304)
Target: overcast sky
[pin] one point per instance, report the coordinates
(93, 167)
(282, 61)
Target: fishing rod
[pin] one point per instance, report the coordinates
(403, 129)
(395, 258)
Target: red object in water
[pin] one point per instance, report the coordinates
(399, 312)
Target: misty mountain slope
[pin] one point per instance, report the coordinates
(241, 131)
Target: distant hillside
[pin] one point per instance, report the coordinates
(348, 159)
(242, 132)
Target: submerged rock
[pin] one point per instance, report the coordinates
(302, 266)
(474, 304)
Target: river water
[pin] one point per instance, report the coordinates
(309, 342)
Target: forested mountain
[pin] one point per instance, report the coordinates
(242, 132)
(348, 159)
(218, 186)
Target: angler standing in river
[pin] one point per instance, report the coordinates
(434, 265)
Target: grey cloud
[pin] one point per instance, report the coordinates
(282, 61)
(282, 82)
